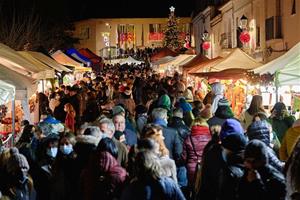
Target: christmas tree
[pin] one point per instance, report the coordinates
(172, 38)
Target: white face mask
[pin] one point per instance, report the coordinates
(52, 152)
(66, 149)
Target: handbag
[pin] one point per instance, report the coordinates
(197, 177)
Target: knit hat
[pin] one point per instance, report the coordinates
(206, 112)
(235, 142)
(16, 161)
(223, 102)
(164, 102)
(178, 113)
(257, 150)
(259, 130)
(118, 134)
(117, 110)
(230, 126)
(188, 95)
(140, 109)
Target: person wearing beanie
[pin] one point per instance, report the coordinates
(186, 107)
(281, 120)
(231, 126)
(127, 100)
(289, 141)
(198, 106)
(218, 93)
(222, 113)
(18, 184)
(188, 95)
(141, 117)
(177, 123)
(261, 180)
(164, 101)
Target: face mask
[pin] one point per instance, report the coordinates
(66, 149)
(52, 152)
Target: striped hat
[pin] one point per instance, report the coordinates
(223, 102)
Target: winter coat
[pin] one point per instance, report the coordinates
(288, 143)
(168, 167)
(70, 122)
(182, 129)
(122, 153)
(85, 146)
(200, 136)
(92, 111)
(246, 119)
(172, 140)
(131, 137)
(280, 126)
(218, 91)
(141, 122)
(128, 103)
(163, 189)
(103, 178)
(59, 112)
(271, 186)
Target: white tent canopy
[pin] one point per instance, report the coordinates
(236, 59)
(25, 86)
(286, 67)
(164, 60)
(179, 60)
(11, 59)
(130, 60)
(7, 92)
(49, 61)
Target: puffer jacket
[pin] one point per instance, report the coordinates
(288, 143)
(200, 136)
(182, 129)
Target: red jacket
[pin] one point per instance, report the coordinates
(70, 122)
(200, 136)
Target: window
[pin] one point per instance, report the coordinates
(270, 28)
(258, 36)
(293, 7)
(155, 28)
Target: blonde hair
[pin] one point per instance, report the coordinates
(70, 109)
(199, 121)
(152, 131)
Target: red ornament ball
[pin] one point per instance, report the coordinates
(205, 45)
(245, 37)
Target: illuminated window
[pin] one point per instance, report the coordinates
(293, 7)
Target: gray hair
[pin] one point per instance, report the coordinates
(109, 122)
(94, 131)
(147, 165)
(159, 113)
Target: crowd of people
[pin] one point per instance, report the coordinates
(129, 133)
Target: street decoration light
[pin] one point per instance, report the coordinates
(244, 36)
(206, 42)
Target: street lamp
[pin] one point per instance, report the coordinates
(205, 35)
(244, 22)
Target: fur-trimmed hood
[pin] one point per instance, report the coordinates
(88, 139)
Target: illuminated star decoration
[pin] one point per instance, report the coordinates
(172, 9)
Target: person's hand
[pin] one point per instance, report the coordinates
(252, 175)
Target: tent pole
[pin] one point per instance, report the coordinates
(13, 115)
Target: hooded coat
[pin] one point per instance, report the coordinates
(200, 135)
(218, 91)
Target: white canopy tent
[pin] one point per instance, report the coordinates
(236, 59)
(16, 62)
(130, 60)
(286, 67)
(7, 92)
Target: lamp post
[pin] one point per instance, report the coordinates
(244, 22)
(244, 36)
(205, 39)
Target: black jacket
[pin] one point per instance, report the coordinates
(182, 129)
(271, 186)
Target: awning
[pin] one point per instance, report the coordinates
(7, 92)
(227, 74)
(163, 53)
(202, 65)
(75, 54)
(49, 61)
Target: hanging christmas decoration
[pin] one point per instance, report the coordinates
(206, 45)
(245, 37)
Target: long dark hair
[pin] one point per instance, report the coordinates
(256, 105)
(293, 164)
(107, 144)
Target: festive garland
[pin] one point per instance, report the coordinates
(264, 80)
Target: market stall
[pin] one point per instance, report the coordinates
(130, 60)
(163, 52)
(79, 57)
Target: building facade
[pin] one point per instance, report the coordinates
(126, 33)
(273, 26)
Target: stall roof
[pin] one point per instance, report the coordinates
(79, 57)
(164, 60)
(63, 59)
(194, 62)
(236, 59)
(226, 74)
(25, 86)
(49, 61)
(285, 67)
(200, 67)
(131, 60)
(163, 53)
(11, 59)
(7, 92)
(179, 60)
(90, 55)
(46, 71)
